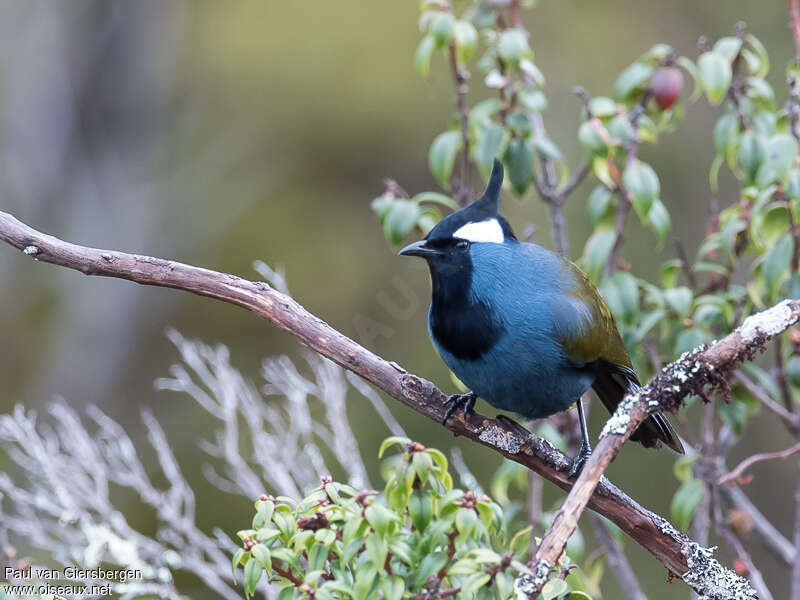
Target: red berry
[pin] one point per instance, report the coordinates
(667, 84)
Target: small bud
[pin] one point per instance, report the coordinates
(326, 479)
(263, 497)
(740, 567)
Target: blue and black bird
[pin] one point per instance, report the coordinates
(522, 327)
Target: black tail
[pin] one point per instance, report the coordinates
(611, 385)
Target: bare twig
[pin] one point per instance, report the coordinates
(794, 23)
(736, 474)
(675, 550)
(461, 188)
(796, 566)
(789, 419)
(617, 561)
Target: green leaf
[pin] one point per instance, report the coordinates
(393, 588)
(577, 595)
(401, 219)
(685, 502)
(491, 141)
(466, 39)
(394, 440)
(512, 45)
(728, 47)
(761, 92)
(546, 146)
(261, 554)
(793, 370)
(420, 509)
(236, 561)
(442, 29)
(776, 263)
(752, 151)
(621, 293)
(442, 155)
(436, 198)
(533, 100)
(726, 133)
(598, 204)
(715, 73)
(642, 183)
(689, 339)
(596, 252)
(632, 79)
(590, 135)
(379, 517)
(679, 299)
(669, 272)
(422, 57)
(473, 583)
(659, 219)
(482, 112)
(554, 588)
(780, 153)
(602, 107)
(377, 550)
(252, 573)
(683, 466)
(519, 163)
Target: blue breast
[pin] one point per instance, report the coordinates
(525, 288)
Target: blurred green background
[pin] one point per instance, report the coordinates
(218, 133)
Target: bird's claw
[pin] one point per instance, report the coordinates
(465, 402)
(580, 459)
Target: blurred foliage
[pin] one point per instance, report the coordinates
(420, 537)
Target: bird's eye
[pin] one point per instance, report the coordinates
(462, 244)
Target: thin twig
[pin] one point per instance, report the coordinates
(736, 473)
(794, 23)
(789, 419)
(796, 568)
(617, 561)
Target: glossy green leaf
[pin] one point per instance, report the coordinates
(659, 219)
(546, 146)
(262, 555)
(679, 299)
(752, 152)
(533, 100)
(492, 140)
(512, 45)
(519, 164)
(554, 588)
(598, 204)
(401, 219)
(422, 57)
(714, 73)
(442, 156)
(252, 574)
(728, 47)
(642, 183)
(591, 136)
(634, 78)
(685, 502)
(466, 38)
(602, 107)
(621, 293)
(776, 263)
(781, 150)
(596, 251)
(442, 29)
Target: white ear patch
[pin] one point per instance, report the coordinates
(482, 231)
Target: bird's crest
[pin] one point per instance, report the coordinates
(479, 221)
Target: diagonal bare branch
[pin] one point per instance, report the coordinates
(673, 548)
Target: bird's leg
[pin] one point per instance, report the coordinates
(463, 401)
(586, 449)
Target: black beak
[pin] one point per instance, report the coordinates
(418, 249)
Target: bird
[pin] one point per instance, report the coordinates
(523, 327)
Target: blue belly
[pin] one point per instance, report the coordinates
(522, 379)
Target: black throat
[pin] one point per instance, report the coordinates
(464, 327)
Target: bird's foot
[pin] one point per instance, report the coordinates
(580, 459)
(465, 402)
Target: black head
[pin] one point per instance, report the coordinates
(479, 222)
